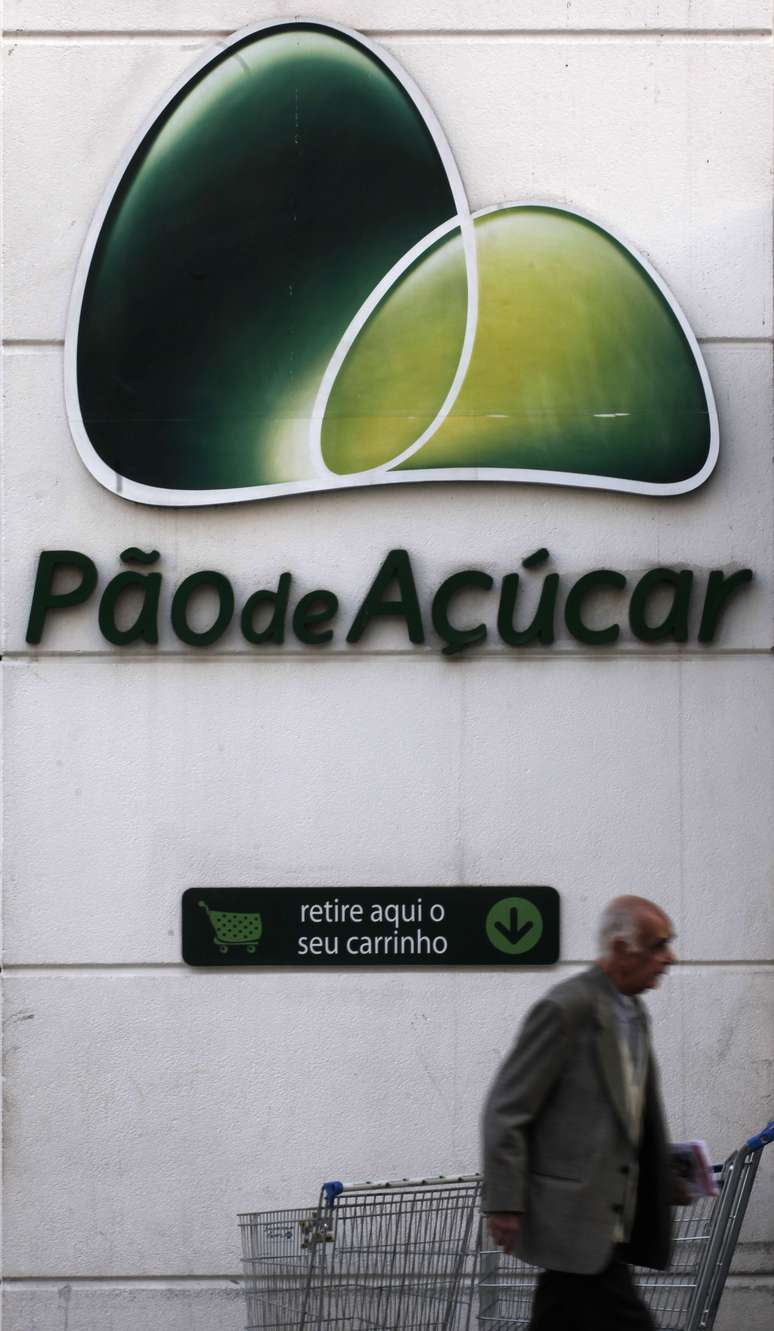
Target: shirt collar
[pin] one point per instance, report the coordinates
(625, 1005)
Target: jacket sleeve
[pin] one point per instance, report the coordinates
(519, 1090)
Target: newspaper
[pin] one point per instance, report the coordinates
(692, 1171)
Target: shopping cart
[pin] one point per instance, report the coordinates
(683, 1298)
(277, 1257)
(372, 1257)
(416, 1256)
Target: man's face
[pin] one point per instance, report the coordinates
(644, 964)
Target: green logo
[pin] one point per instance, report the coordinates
(285, 290)
(514, 925)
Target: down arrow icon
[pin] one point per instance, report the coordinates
(513, 931)
(514, 925)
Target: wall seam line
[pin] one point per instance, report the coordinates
(341, 656)
(40, 969)
(217, 1282)
(22, 345)
(71, 36)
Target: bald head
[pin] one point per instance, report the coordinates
(634, 943)
(623, 918)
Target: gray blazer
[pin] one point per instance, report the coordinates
(558, 1144)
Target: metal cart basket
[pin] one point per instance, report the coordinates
(415, 1256)
(372, 1257)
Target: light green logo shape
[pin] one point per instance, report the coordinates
(514, 925)
(284, 290)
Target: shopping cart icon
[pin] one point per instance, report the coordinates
(234, 928)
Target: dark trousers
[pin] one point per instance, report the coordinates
(607, 1301)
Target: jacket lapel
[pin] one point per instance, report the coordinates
(609, 1057)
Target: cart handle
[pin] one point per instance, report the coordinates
(370, 1186)
(331, 1191)
(762, 1138)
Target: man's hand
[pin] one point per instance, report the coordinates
(504, 1227)
(681, 1193)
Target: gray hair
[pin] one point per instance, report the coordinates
(621, 919)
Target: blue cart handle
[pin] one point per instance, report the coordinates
(332, 1190)
(762, 1138)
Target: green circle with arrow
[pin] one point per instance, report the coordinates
(514, 925)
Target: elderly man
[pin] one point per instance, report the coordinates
(576, 1165)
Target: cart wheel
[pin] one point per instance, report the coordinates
(222, 947)
(251, 947)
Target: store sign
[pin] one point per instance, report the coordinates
(662, 604)
(284, 290)
(371, 926)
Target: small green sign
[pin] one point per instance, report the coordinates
(371, 926)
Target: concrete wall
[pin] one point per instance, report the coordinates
(147, 1104)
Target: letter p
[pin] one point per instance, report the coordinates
(44, 598)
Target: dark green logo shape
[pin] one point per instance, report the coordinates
(284, 290)
(514, 925)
